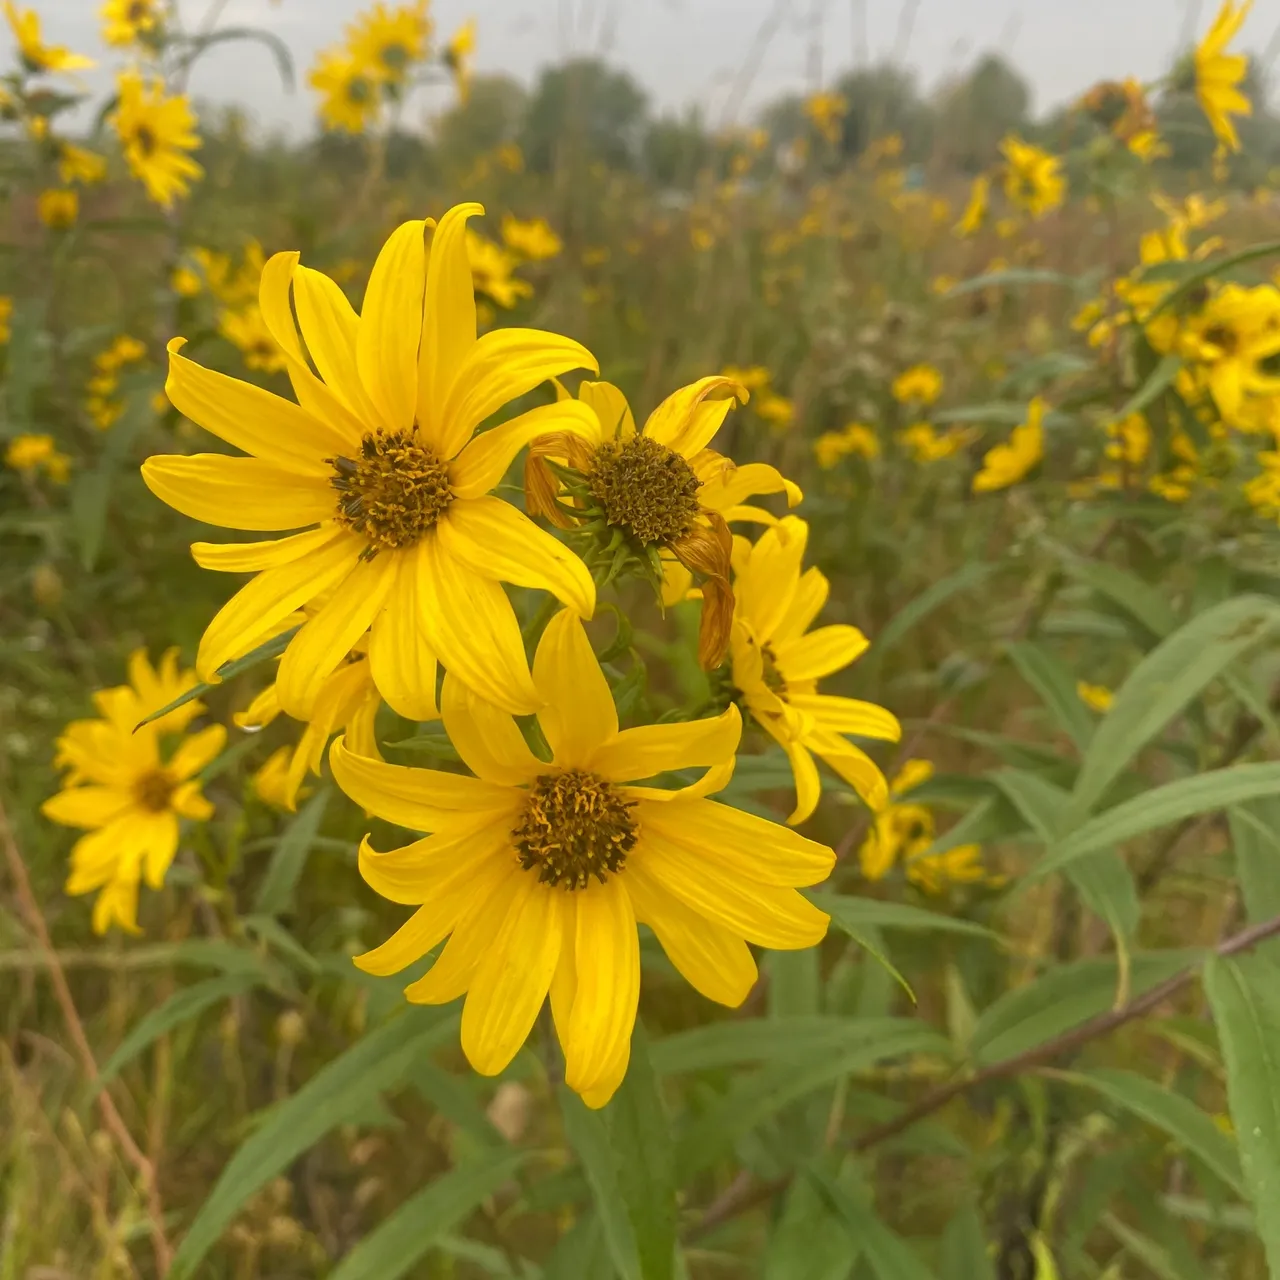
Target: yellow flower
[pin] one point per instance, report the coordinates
(754, 378)
(778, 661)
(1008, 463)
(662, 489)
(1218, 74)
(246, 329)
(28, 454)
(1097, 697)
(232, 286)
(778, 411)
(58, 208)
(185, 282)
(1234, 336)
(925, 445)
(491, 268)
(378, 455)
(126, 22)
(120, 788)
(975, 212)
(458, 54)
(534, 239)
(389, 42)
(75, 164)
(921, 384)
(1032, 177)
(511, 158)
(1130, 440)
(900, 831)
(855, 438)
(349, 97)
(6, 318)
(36, 55)
(271, 782)
(156, 132)
(827, 111)
(347, 703)
(935, 872)
(539, 871)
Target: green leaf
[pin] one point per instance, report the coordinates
(340, 1089)
(397, 1243)
(1213, 267)
(180, 1007)
(1012, 276)
(641, 1133)
(851, 912)
(796, 1040)
(1060, 999)
(809, 1241)
(588, 1135)
(888, 1256)
(1170, 1112)
(453, 1099)
(1244, 993)
(963, 1249)
(580, 1252)
(267, 650)
(868, 938)
(968, 576)
(1255, 837)
(275, 893)
(196, 45)
(1164, 682)
(1136, 597)
(1055, 684)
(1159, 380)
(1217, 789)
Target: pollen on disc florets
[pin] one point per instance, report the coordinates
(154, 790)
(575, 825)
(645, 488)
(393, 492)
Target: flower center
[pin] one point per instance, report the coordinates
(574, 826)
(394, 492)
(644, 488)
(146, 139)
(772, 676)
(154, 790)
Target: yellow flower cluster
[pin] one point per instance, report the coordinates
(31, 454)
(103, 408)
(778, 411)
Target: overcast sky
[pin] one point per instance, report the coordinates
(703, 51)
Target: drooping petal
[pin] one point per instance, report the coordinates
(651, 749)
(197, 750)
(262, 424)
(808, 783)
(768, 915)
(767, 585)
(470, 625)
(849, 715)
(853, 765)
(330, 328)
(251, 615)
(607, 951)
(512, 979)
(712, 958)
(96, 857)
(448, 324)
(820, 652)
(810, 597)
(733, 486)
(87, 807)
(740, 844)
(495, 540)
(238, 493)
(253, 557)
(501, 366)
(417, 799)
(714, 779)
(437, 864)
(391, 326)
(687, 419)
(579, 716)
(324, 641)
(485, 460)
(486, 737)
(157, 837)
(403, 665)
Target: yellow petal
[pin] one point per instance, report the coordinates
(767, 915)
(86, 806)
(808, 601)
(470, 625)
(849, 715)
(737, 843)
(513, 977)
(715, 779)
(486, 737)
(713, 959)
(438, 864)
(502, 366)
(579, 716)
(485, 460)
(448, 323)
(252, 557)
(238, 493)
(651, 749)
(264, 425)
(251, 615)
(117, 904)
(97, 857)
(495, 540)
(330, 328)
(391, 326)
(853, 765)
(157, 840)
(730, 488)
(607, 951)
(324, 641)
(820, 652)
(197, 750)
(612, 411)
(687, 419)
(564, 982)
(767, 586)
(470, 941)
(417, 799)
(808, 783)
(403, 665)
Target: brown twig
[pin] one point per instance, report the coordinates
(75, 1028)
(743, 1194)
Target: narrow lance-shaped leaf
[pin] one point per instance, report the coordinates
(275, 894)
